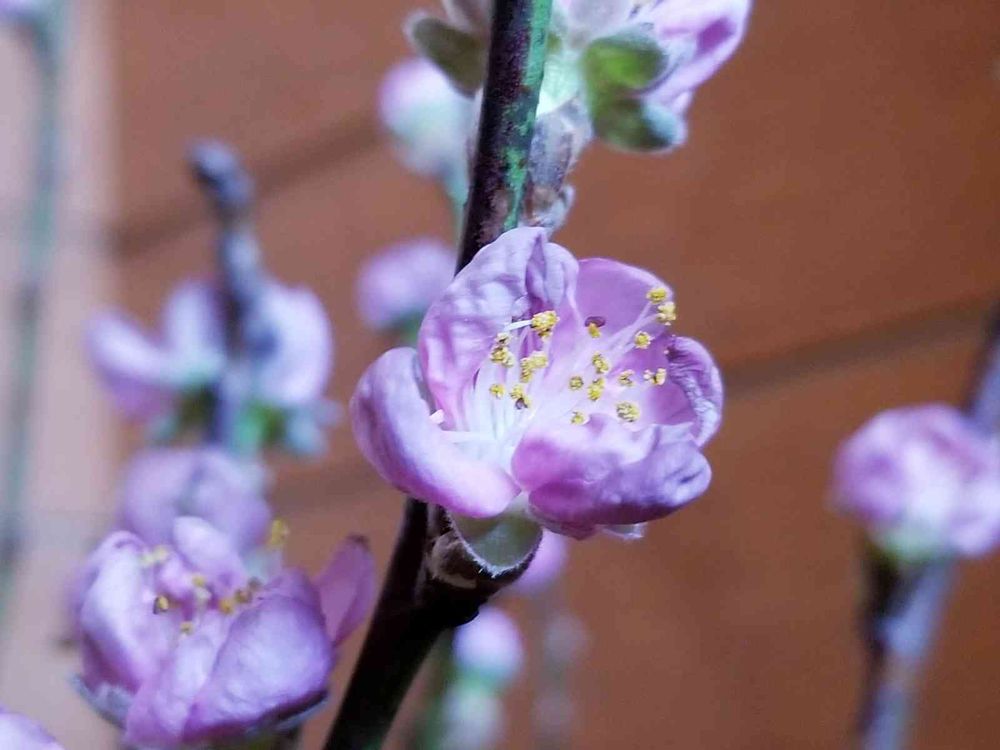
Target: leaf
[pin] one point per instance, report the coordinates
(636, 124)
(457, 54)
(629, 60)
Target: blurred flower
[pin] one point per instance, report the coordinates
(544, 388)
(143, 374)
(19, 733)
(292, 353)
(430, 122)
(162, 485)
(181, 645)
(634, 64)
(398, 284)
(489, 648)
(545, 567)
(924, 482)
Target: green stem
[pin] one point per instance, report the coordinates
(407, 622)
(29, 302)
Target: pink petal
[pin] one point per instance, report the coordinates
(393, 428)
(275, 661)
(208, 551)
(516, 276)
(602, 472)
(347, 588)
(613, 291)
(192, 322)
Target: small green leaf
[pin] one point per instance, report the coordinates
(629, 60)
(460, 56)
(635, 124)
(502, 542)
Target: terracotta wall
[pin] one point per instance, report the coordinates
(831, 230)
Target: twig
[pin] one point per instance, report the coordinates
(47, 37)
(412, 612)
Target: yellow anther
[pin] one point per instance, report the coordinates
(160, 604)
(655, 378)
(521, 399)
(578, 417)
(627, 411)
(198, 581)
(595, 389)
(187, 627)
(600, 363)
(497, 390)
(666, 313)
(502, 355)
(593, 330)
(503, 337)
(531, 364)
(226, 605)
(625, 378)
(575, 383)
(643, 340)
(243, 596)
(657, 294)
(542, 323)
(278, 534)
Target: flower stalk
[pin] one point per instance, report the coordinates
(905, 599)
(46, 33)
(414, 608)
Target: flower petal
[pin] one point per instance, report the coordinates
(192, 324)
(392, 425)
(517, 275)
(601, 472)
(275, 661)
(347, 588)
(615, 292)
(208, 551)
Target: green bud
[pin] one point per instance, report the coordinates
(629, 60)
(636, 124)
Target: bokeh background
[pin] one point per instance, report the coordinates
(832, 231)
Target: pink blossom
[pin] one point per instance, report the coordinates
(182, 645)
(490, 647)
(161, 485)
(430, 122)
(699, 36)
(924, 482)
(398, 284)
(547, 388)
(143, 373)
(147, 375)
(20, 733)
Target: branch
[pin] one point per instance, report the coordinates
(414, 610)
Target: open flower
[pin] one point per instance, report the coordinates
(545, 388)
(147, 376)
(924, 482)
(398, 284)
(181, 645)
(162, 485)
(20, 733)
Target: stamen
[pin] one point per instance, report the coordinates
(625, 378)
(575, 383)
(227, 606)
(595, 389)
(594, 325)
(627, 411)
(160, 604)
(666, 313)
(643, 340)
(156, 556)
(243, 596)
(655, 378)
(497, 389)
(542, 323)
(657, 294)
(531, 364)
(187, 627)
(521, 400)
(198, 581)
(578, 418)
(600, 363)
(278, 534)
